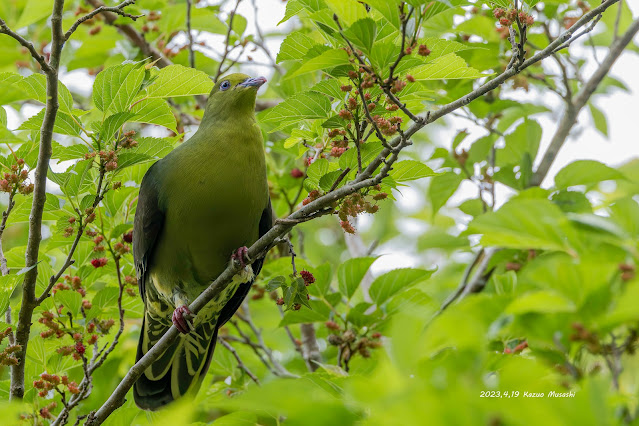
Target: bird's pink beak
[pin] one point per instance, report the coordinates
(253, 82)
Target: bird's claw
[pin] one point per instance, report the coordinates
(241, 256)
(182, 319)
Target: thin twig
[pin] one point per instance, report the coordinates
(240, 364)
(227, 50)
(4, 29)
(101, 9)
(189, 33)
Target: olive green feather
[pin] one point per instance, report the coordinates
(197, 206)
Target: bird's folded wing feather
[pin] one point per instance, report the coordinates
(149, 219)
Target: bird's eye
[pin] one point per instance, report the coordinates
(225, 85)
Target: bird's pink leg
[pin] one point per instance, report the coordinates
(182, 319)
(241, 255)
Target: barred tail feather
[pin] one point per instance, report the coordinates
(179, 370)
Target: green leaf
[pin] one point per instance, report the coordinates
(544, 301)
(350, 274)
(34, 11)
(368, 152)
(332, 88)
(116, 87)
(71, 152)
(112, 124)
(585, 172)
(572, 202)
(297, 136)
(384, 54)
(70, 299)
(7, 284)
(362, 34)
(348, 11)
(299, 107)
(76, 177)
(64, 124)
(386, 286)
(410, 170)
(524, 223)
(318, 311)
(276, 283)
(326, 182)
(523, 140)
(328, 59)
(599, 118)
(441, 188)
(389, 9)
(178, 80)
(449, 67)
(294, 47)
(154, 111)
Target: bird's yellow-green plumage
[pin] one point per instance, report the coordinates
(196, 207)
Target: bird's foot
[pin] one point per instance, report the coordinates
(182, 319)
(241, 256)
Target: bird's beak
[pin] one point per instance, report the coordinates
(253, 82)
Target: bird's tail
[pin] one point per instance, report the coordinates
(179, 369)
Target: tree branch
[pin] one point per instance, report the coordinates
(569, 118)
(4, 29)
(102, 9)
(23, 328)
(565, 37)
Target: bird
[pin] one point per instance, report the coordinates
(199, 208)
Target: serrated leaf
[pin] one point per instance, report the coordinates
(328, 59)
(389, 9)
(524, 223)
(71, 152)
(276, 283)
(70, 299)
(178, 80)
(525, 139)
(326, 182)
(112, 124)
(449, 67)
(585, 172)
(348, 11)
(299, 107)
(294, 47)
(410, 170)
(350, 274)
(35, 87)
(76, 177)
(154, 111)
(387, 285)
(318, 312)
(64, 124)
(362, 34)
(116, 87)
(441, 188)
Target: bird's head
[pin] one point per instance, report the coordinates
(234, 93)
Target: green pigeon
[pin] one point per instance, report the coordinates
(198, 208)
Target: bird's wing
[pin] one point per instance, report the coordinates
(149, 219)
